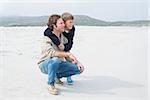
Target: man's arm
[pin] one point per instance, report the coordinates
(50, 52)
(66, 55)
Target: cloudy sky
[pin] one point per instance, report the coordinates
(108, 10)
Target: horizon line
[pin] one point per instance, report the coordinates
(75, 15)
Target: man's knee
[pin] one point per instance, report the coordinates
(55, 60)
(74, 67)
(79, 70)
(53, 63)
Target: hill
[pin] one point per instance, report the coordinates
(81, 20)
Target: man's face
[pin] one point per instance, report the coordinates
(69, 24)
(60, 25)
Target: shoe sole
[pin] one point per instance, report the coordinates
(53, 92)
(59, 83)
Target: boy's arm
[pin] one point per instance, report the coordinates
(55, 39)
(70, 37)
(52, 36)
(49, 51)
(70, 34)
(68, 45)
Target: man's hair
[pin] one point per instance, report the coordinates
(53, 20)
(67, 16)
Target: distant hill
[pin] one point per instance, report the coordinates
(81, 20)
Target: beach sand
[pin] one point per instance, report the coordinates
(115, 60)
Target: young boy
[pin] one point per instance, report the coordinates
(69, 34)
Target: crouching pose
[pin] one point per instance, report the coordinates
(55, 62)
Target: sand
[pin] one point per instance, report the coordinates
(115, 60)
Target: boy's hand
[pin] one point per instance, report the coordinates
(61, 46)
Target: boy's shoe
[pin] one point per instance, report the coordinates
(58, 81)
(69, 81)
(53, 90)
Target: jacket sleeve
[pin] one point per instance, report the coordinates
(55, 39)
(47, 48)
(70, 37)
(68, 45)
(52, 36)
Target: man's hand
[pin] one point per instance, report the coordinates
(73, 58)
(61, 46)
(75, 61)
(80, 67)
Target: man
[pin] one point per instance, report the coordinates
(69, 32)
(53, 61)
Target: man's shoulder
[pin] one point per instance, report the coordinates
(46, 39)
(64, 38)
(47, 30)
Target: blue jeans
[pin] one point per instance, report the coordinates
(55, 67)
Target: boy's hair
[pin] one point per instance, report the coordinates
(53, 20)
(67, 16)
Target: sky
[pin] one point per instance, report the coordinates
(108, 10)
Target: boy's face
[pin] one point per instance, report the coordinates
(69, 24)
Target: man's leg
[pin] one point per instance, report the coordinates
(50, 67)
(67, 69)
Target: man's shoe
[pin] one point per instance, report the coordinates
(53, 90)
(58, 81)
